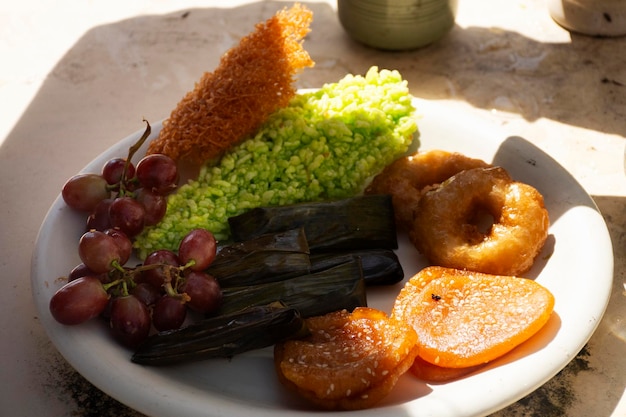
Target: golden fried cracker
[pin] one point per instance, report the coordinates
(253, 80)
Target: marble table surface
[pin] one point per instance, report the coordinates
(76, 76)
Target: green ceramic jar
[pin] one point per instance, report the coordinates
(397, 24)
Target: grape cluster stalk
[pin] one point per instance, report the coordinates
(157, 294)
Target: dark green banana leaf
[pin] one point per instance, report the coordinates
(265, 258)
(380, 266)
(363, 222)
(336, 288)
(223, 336)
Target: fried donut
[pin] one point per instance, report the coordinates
(349, 361)
(447, 229)
(407, 177)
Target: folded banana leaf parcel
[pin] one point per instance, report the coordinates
(362, 222)
(257, 316)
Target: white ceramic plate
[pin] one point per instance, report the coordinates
(576, 265)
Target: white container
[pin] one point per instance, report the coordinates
(590, 17)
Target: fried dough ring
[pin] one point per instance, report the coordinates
(349, 361)
(445, 227)
(407, 177)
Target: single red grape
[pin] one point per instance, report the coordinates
(123, 243)
(129, 320)
(154, 204)
(106, 313)
(80, 270)
(147, 293)
(98, 251)
(84, 191)
(169, 313)
(113, 170)
(204, 291)
(157, 172)
(79, 300)
(198, 245)
(128, 215)
(99, 218)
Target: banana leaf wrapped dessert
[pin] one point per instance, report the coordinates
(271, 257)
(337, 288)
(257, 316)
(362, 222)
(284, 255)
(222, 336)
(380, 266)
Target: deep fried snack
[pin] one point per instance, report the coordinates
(407, 177)
(449, 222)
(253, 80)
(350, 361)
(465, 319)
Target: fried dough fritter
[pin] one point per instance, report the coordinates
(447, 232)
(253, 80)
(408, 177)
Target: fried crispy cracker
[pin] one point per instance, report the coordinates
(253, 80)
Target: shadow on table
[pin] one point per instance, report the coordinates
(495, 69)
(118, 73)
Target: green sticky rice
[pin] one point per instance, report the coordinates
(326, 144)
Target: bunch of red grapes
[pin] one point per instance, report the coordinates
(157, 294)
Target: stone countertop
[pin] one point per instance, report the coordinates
(76, 77)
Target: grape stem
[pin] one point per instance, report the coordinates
(170, 291)
(189, 264)
(112, 284)
(116, 265)
(170, 271)
(124, 288)
(131, 152)
(171, 282)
